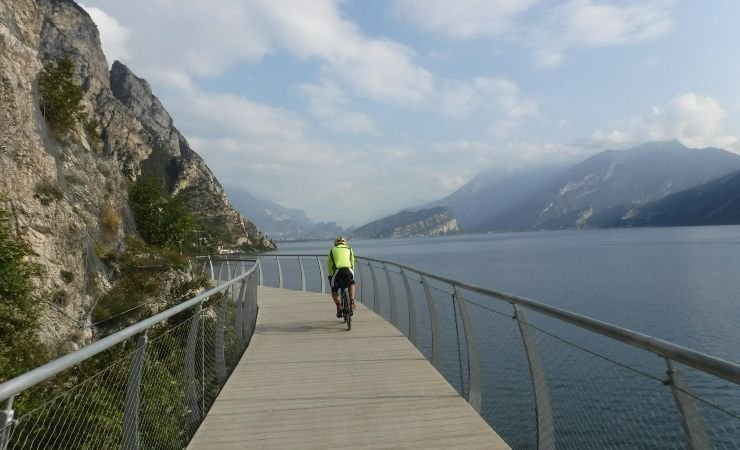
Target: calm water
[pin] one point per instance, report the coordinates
(679, 284)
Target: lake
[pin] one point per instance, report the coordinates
(677, 284)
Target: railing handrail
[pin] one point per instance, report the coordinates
(719, 367)
(48, 370)
(698, 360)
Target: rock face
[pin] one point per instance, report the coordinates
(426, 222)
(172, 159)
(69, 200)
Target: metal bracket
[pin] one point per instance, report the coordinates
(694, 428)
(6, 423)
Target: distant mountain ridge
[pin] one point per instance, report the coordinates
(626, 179)
(492, 192)
(432, 221)
(279, 222)
(714, 203)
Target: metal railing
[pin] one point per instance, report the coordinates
(149, 385)
(543, 377)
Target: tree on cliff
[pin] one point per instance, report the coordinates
(61, 97)
(161, 221)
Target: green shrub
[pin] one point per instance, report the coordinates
(110, 222)
(61, 97)
(47, 193)
(161, 221)
(67, 276)
(19, 310)
(141, 269)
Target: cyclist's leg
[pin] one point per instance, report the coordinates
(335, 294)
(351, 290)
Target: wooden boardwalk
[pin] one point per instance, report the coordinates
(307, 383)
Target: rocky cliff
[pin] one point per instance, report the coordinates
(426, 222)
(68, 196)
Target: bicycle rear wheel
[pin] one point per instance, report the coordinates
(347, 309)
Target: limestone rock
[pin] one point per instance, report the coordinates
(69, 200)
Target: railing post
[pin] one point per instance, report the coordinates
(239, 315)
(228, 270)
(412, 308)
(246, 293)
(133, 396)
(303, 274)
(475, 398)
(6, 423)
(262, 280)
(321, 275)
(210, 263)
(220, 269)
(252, 307)
(436, 341)
(362, 282)
(542, 406)
(694, 428)
(192, 383)
(391, 296)
(220, 350)
(280, 272)
(376, 307)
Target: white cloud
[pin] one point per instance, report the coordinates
(499, 98)
(574, 24)
(463, 19)
(586, 24)
(230, 116)
(113, 36)
(197, 39)
(511, 155)
(694, 119)
(329, 103)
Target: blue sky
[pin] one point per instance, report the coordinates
(352, 109)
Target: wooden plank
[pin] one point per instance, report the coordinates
(307, 383)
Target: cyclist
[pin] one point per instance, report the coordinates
(341, 264)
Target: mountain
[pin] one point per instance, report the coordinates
(493, 192)
(714, 203)
(279, 222)
(432, 221)
(67, 192)
(612, 178)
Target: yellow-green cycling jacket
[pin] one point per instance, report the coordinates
(340, 256)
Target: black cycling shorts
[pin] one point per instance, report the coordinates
(342, 278)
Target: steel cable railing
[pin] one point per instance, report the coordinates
(147, 386)
(541, 376)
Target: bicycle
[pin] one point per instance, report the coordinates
(346, 307)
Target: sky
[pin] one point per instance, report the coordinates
(354, 109)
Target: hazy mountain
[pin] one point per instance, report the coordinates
(439, 220)
(714, 203)
(493, 192)
(616, 177)
(279, 222)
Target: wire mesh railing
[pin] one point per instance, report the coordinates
(543, 377)
(147, 386)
